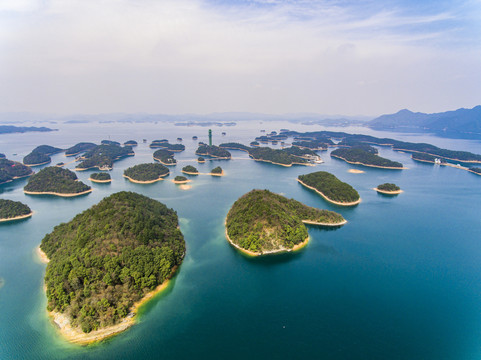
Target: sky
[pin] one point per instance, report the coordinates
(365, 57)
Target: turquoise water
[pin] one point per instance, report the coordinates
(400, 281)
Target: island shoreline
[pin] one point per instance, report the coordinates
(20, 217)
(144, 182)
(374, 166)
(57, 194)
(353, 203)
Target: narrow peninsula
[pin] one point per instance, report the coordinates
(13, 210)
(146, 173)
(56, 181)
(360, 156)
(107, 261)
(330, 188)
(261, 222)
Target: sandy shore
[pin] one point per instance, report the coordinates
(190, 173)
(374, 166)
(355, 171)
(213, 156)
(214, 174)
(57, 194)
(45, 162)
(330, 200)
(77, 336)
(100, 181)
(185, 187)
(163, 163)
(474, 172)
(388, 192)
(144, 182)
(17, 217)
(309, 222)
(253, 253)
(42, 256)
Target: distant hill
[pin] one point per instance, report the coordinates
(8, 129)
(460, 121)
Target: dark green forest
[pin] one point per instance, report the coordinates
(388, 187)
(79, 148)
(55, 179)
(165, 156)
(275, 156)
(330, 186)
(104, 155)
(9, 170)
(100, 176)
(146, 172)
(213, 150)
(10, 209)
(263, 221)
(190, 169)
(216, 170)
(110, 256)
(364, 157)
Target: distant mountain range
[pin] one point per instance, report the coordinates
(457, 121)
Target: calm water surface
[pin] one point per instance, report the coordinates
(400, 281)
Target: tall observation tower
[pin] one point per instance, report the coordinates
(210, 137)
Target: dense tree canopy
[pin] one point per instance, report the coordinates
(10, 209)
(217, 170)
(262, 221)
(100, 176)
(110, 256)
(330, 186)
(166, 157)
(146, 172)
(388, 187)
(190, 169)
(57, 180)
(213, 151)
(10, 170)
(275, 156)
(104, 155)
(40, 155)
(358, 155)
(79, 148)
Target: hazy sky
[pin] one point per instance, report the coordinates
(272, 56)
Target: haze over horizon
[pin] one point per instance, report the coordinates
(264, 56)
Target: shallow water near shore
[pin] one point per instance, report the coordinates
(401, 280)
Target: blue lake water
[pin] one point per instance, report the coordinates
(401, 280)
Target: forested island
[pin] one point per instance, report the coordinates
(11, 170)
(164, 144)
(330, 188)
(366, 158)
(455, 155)
(180, 180)
(146, 173)
(261, 222)
(314, 144)
(79, 148)
(388, 189)
(13, 210)
(275, 156)
(9, 129)
(213, 151)
(217, 171)
(101, 177)
(235, 146)
(191, 170)
(200, 160)
(40, 155)
(131, 143)
(165, 157)
(109, 142)
(102, 157)
(107, 261)
(57, 181)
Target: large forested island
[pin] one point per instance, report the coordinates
(11, 170)
(146, 173)
(261, 222)
(165, 157)
(102, 157)
(13, 210)
(276, 156)
(54, 180)
(213, 151)
(362, 157)
(79, 148)
(107, 259)
(164, 144)
(40, 155)
(330, 188)
(9, 129)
